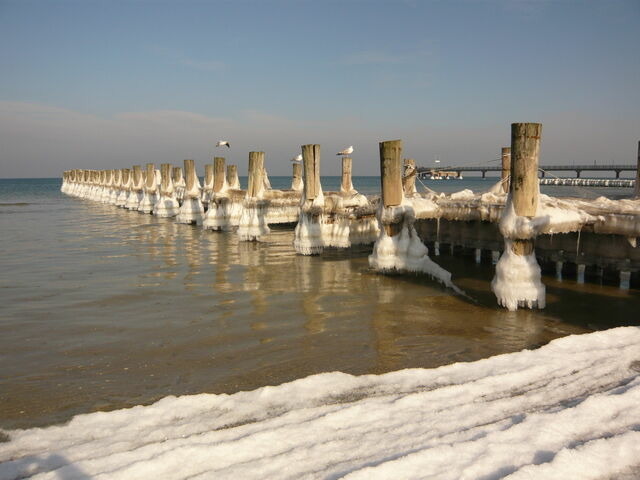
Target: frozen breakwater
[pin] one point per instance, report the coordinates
(397, 223)
(569, 409)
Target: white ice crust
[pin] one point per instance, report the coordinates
(570, 409)
(405, 252)
(191, 211)
(518, 281)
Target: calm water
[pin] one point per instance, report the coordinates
(102, 308)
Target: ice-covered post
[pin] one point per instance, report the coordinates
(637, 190)
(398, 247)
(125, 185)
(232, 177)
(167, 204)
(191, 210)
(409, 177)
(517, 280)
(256, 167)
(178, 183)
(506, 168)
(219, 178)
(296, 179)
(346, 186)
(149, 198)
(391, 178)
(135, 197)
(253, 221)
(307, 238)
(207, 189)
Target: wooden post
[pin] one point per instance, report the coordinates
(346, 186)
(151, 178)
(232, 176)
(311, 161)
(506, 168)
(256, 167)
(409, 176)
(190, 176)
(126, 176)
(218, 176)
(137, 173)
(208, 175)
(637, 192)
(391, 172)
(525, 153)
(177, 174)
(296, 180)
(165, 175)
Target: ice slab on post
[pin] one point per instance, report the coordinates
(569, 409)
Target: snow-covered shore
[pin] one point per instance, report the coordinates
(570, 409)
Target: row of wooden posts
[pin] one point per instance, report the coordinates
(321, 217)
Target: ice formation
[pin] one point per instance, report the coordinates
(126, 185)
(336, 219)
(569, 409)
(253, 223)
(517, 280)
(403, 251)
(191, 210)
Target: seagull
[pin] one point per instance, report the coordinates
(222, 143)
(297, 159)
(346, 151)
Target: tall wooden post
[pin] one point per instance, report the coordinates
(177, 174)
(256, 167)
(311, 161)
(506, 168)
(346, 185)
(218, 175)
(524, 188)
(409, 176)
(391, 172)
(637, 192)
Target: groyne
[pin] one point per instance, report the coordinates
(512, 225)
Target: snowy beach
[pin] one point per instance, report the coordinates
(570, 409)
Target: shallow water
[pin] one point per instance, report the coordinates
(103, 308)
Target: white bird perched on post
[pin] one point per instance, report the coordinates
(298, 158)
(346, 151)
(222, 143)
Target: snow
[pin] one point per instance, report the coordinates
(570, 409)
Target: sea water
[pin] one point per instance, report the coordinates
(103, 308)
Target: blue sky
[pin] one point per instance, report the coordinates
(106, 84)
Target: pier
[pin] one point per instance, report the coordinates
(426, 172)
(512, 226)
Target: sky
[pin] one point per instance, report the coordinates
(110, 84)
